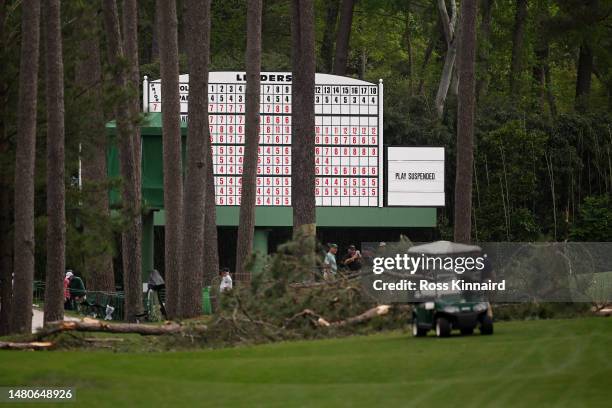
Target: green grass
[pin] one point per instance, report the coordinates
(531, 363)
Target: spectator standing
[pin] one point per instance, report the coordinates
(330, 267)
(67, 279)
(76, 287)
(353, 259)
(226, 280)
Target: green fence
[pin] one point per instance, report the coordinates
(95, 303)
(98, 304)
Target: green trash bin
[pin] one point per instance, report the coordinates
(206, 305)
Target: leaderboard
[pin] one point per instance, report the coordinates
(348, 146)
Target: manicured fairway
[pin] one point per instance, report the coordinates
(536, 363)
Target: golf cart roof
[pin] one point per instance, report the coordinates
(443, 248)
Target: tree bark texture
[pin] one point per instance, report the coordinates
(24, 168)
(484, 48)
(408, 42)
(173, 183)
(56, 189)
(93, 325)
(246, 224)
(327, 47)
(343, 36)
(465, 123)
(211, 246)
(518, 34)
(6, 210)
(541, 68)
(302, 142)
(197, 15)
(130, 238)
(88, 73)
(6, 256)
(130, 45)
(583, 77)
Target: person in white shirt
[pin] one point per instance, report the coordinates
(226, 280)
(330, 267)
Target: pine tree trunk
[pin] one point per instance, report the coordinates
(6, 232)
(211, 247)
(327, 46)
(583, 77)
(302, 140)
(99, 267)
(465, 123)
(155, 38)
(130, 44)
(246, 225)
(541, 51)
(408, 42)
(173, 183)
(197, 15)
(24, 169)
(56, 189)
(343, 36)
(130, 238)
(484, 39)
(6, 254)
(518, 34)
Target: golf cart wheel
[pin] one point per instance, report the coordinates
(443, 327)
(467, 331)
(486, 325)
(416, 331)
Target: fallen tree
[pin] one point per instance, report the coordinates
(282, 302)
(285, 301)
(32, 345)
(93, 325)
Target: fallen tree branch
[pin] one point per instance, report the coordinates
(33, 345)
(319, 321)
(341, 279)
(380, 310)
(93, 325)
(304, 313)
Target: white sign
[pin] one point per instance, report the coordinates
(348, 137)
(415, 176)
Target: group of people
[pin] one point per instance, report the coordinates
(352, 261)
(74, 288)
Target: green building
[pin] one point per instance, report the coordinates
(348, 123)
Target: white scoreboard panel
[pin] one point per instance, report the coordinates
(415, 176)
(348, 137)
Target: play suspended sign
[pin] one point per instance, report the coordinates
(415, 176)
(348, 137)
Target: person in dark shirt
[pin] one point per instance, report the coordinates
(76, 287)
(353, 259)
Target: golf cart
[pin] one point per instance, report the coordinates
(449, 310)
